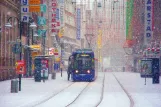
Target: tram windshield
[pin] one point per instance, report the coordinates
(84, 61)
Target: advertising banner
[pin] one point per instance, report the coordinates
(24, 10)
(148, 20)
(62, 14)
(20, 67)
(78, 24)
(34, 2)
(57, 14)
(53, 16)
(146, 68)
(51, 51)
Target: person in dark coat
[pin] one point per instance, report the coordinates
(70, 64)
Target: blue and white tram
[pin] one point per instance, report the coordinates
(83, 67)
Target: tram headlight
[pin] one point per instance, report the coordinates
(76, 71)
(88, 71)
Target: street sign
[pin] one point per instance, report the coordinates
(41, 32)
(34, 8)
(33, 2)
(57, 14)
(41, 21)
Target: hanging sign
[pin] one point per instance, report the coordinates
(62, 15)
(24, 2)
(78, 24)
(43, 8)
(148, 20)
(57, 14)
(41, 21)
(34, 8)
(54, 17)
(41, 32)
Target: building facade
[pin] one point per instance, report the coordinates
(8, 8)
(138, 24)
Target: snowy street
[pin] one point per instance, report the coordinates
(62, 93)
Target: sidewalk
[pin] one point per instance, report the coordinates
(31, 91)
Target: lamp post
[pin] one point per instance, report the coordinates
(61, 51)
(8, 25)
(32, 25)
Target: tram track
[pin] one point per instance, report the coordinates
(101, 97)
(78, 95)
(82, 90)
(102, 91)
(128, 95)
(63, 90)
(47, 99)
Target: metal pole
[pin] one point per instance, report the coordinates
(32, 37)
(61, 59)
(28, 51)
(20, 57)
(43, 41)
(21, 49)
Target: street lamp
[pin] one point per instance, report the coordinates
(31, 25)
(8, 25)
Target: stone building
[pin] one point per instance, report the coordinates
(8, 8)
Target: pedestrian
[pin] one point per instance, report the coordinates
(70, 66)
(61, 69)
(43, 75)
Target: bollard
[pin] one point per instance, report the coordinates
(14, 86)
(54, 75)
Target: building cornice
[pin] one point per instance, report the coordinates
(10, 4)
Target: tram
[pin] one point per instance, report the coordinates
(83, 66)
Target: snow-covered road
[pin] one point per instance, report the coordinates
(60, 92)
